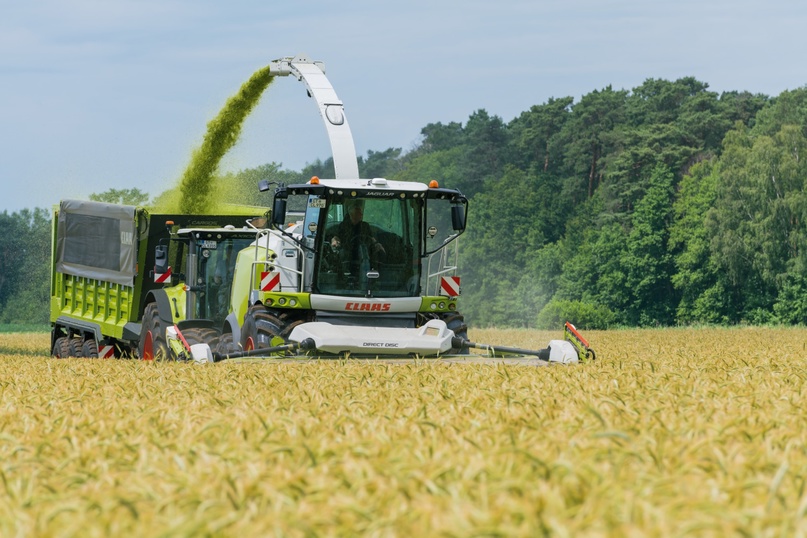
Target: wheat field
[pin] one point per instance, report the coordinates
(677, 432)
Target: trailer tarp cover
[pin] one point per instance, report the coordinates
(97, 240)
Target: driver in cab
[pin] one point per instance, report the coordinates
(353, 236)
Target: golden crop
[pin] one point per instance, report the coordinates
(674, 432)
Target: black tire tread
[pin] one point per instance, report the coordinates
(263, 325)
(61, 348)
(89, 348)
(153, 323)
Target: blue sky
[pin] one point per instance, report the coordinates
(100, 94)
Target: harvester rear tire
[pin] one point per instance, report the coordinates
(61, 348)
(152, 336)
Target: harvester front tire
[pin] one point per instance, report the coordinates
(152, 336)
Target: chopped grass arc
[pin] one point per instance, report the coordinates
(196, 189)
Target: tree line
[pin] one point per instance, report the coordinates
(666, 204)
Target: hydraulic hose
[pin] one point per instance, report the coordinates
(306, 345)
(460, 343)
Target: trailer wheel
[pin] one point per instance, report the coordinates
(152, 336)
(74, 346)
(456, 323)
(260, 327)
(61, 348)
(89, 348)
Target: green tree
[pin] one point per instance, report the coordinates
(590, 135)
(647, 260)
(592, 259)
(134, 197)
(12, 243)
(443, 166)
(509, 223)
(439, 137)
(758, 221)
(380, 163)
(242, 187)
(659, 101)
(696, 277)
(486, 150)
(535, 134)
(25, 267)
(318, 168)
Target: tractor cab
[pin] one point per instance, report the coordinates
(206, 259)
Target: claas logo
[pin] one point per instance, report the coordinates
(368, 307)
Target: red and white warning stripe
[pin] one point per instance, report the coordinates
(450, 286)
(107, 352)
(161, 278)
(270, 281)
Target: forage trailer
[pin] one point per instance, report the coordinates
(123, 279)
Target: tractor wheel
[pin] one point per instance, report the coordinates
(152, 336)
(201, 335)
(61, 348)
(89, 348)
(262, 327)
(456, 323)
(226, 345)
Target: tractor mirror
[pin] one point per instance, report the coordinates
(458, 217)
(161, 259)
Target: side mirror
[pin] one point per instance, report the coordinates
(458, 217)
(161, 259)
(279, 206)
(279, 212)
